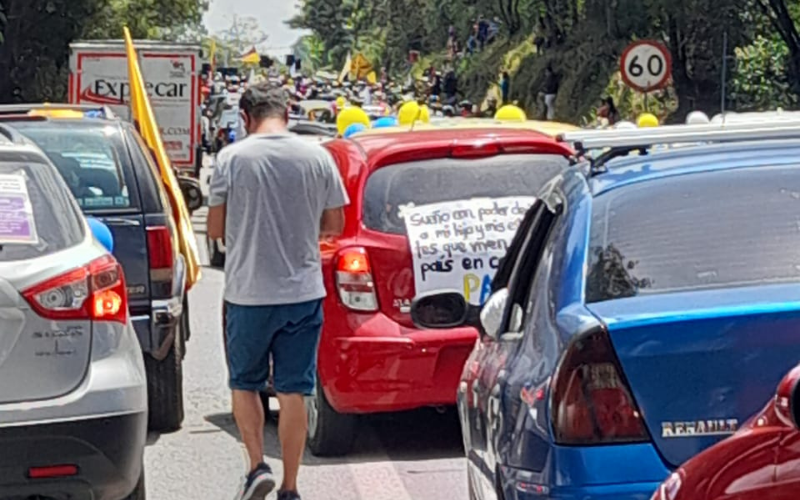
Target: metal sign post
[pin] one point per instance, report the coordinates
(724, 72)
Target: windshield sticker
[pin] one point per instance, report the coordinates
(16, 212)
(457, 245)
(99, 202)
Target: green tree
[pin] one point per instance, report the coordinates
(583, 42)
(147, 19)
(328, 19)
(34, 54)
(762, 79)
(310, 49)
(35, 50)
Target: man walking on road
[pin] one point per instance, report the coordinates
(272, 197)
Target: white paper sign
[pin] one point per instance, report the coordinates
(16, 213)
(458, 245)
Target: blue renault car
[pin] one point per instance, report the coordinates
(647, 307)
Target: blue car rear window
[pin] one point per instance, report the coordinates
(701, 231)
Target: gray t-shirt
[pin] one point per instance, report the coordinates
(275, 188)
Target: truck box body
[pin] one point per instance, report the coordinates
(99, 75)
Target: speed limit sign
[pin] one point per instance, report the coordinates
(646, 65)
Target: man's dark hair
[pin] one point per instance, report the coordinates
(264, 101)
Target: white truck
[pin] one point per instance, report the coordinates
(99, 75)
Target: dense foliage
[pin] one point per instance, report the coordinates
(36, 34)
(583, 42)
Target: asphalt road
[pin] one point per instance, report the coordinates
(409, 456)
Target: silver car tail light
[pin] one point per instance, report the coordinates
(94, 292)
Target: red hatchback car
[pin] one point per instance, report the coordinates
(760, 462)
(371, 357)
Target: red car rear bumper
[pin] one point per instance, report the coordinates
(377, 371)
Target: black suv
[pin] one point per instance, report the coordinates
(114, 177)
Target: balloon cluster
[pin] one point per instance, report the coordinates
(353, 120)
(411, 113)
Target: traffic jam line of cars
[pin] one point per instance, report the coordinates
(98, 332)
(643, 310)
(604, 308)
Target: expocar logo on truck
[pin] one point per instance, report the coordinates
(120, 91)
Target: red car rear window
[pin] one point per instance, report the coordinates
(447, 179)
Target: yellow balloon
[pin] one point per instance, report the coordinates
(424, 114)
(647, 120)
(409, 113)
(340, 102)
(510, 113)
(350, 116)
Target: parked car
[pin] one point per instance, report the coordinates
(760, 462)
(645, 310)
(73, 392)
(114, 178)
(371, 357)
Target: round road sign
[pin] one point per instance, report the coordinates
(646, 65)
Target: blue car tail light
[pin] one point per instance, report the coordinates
(591, 402)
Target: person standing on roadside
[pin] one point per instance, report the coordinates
(550, 92)
(505, 88)
(273, 196)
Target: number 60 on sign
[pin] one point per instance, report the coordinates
(646, 65)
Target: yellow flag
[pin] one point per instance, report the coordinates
(145, 121)
(252, 57)
(346, 69)
(361, 66)
(372, 78)
(213, 55)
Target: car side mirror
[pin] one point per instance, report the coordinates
(192, 193)
(787, 399)
(102, 233)
(440, 310)
(493, 312)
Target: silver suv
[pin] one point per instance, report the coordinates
(73, 392)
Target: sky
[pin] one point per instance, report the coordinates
(271, 15)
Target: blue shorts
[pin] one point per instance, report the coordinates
(286, 334)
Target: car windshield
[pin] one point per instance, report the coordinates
(700, 231)
(37, 217)
(391, 188)
(87, 159)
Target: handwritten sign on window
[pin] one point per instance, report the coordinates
(457, 245)
(16, 212)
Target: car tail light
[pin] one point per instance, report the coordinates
(354, 282)
(591, 402)
(94, 292)
(52, 471)
(159, 248)
(483, 150)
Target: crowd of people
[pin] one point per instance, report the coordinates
(322, 96)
